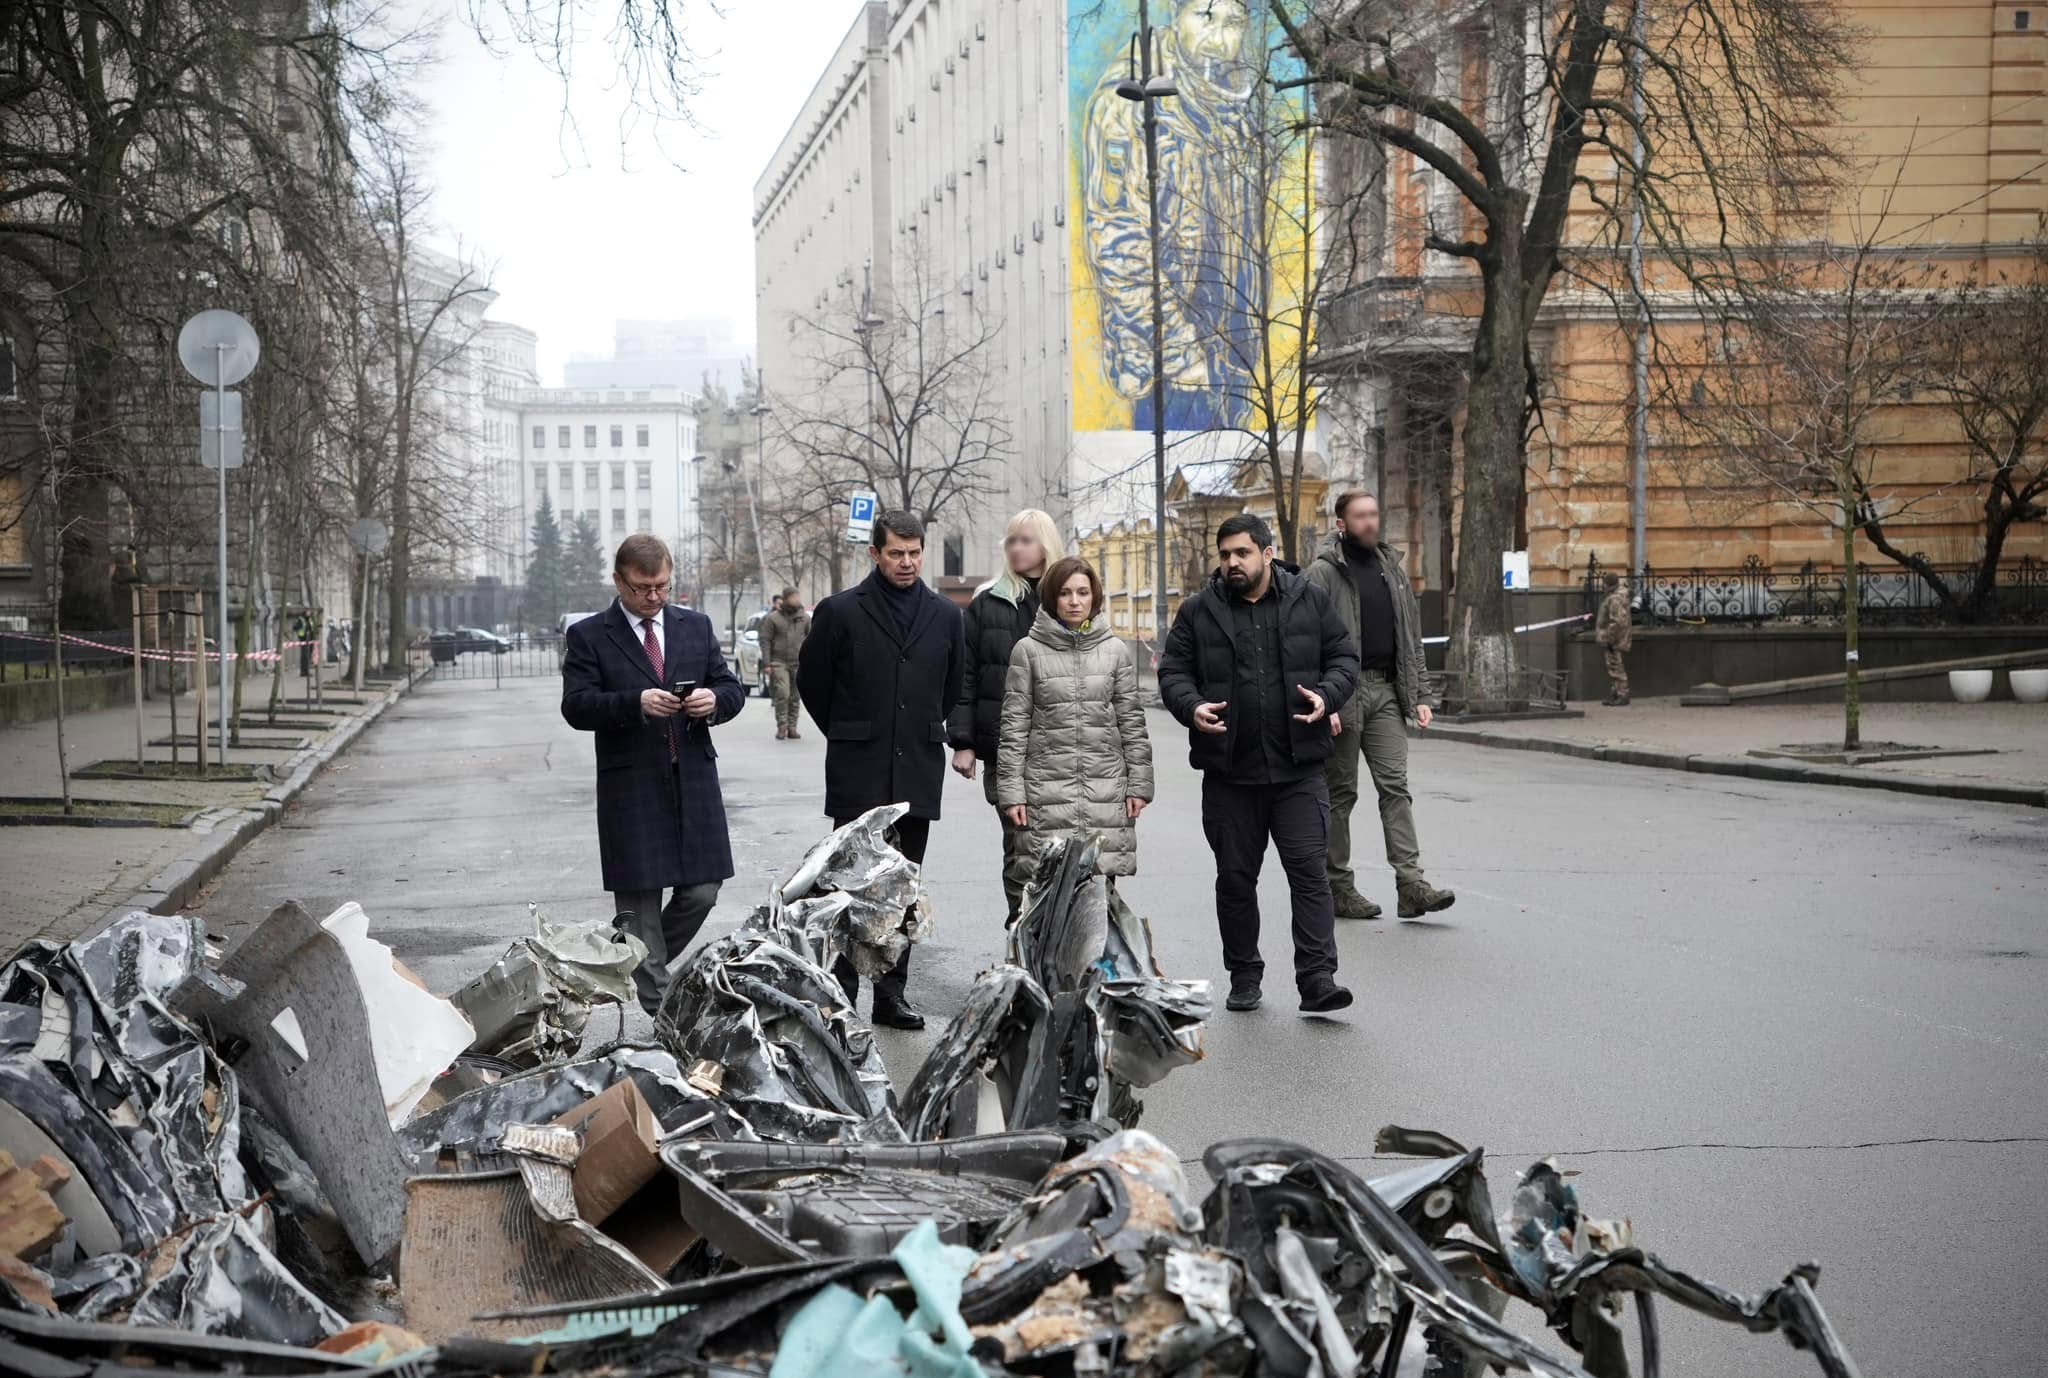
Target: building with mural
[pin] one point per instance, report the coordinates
(984, 143)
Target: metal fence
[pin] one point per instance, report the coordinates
(532, 656)
(1886, 595)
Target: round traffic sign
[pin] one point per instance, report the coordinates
(369, 535)
(219, 348)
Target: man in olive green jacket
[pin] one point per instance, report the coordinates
(1371, 593)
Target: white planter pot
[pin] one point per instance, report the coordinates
(1970, 686)
(2029, 686)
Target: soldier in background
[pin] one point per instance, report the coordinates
(1612, 632)
(782, 640)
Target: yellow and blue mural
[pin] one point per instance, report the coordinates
(1219, 232)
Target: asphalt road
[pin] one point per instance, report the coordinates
(1767, 1023)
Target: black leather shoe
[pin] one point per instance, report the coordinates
(897, 1014)
(1244, 995)
(1324, 997)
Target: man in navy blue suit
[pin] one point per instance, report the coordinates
(660, 815)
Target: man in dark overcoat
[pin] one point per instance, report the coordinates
(878, 674)
(660, 815)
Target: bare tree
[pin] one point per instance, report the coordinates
(1990, 365)
(900, 395)
(1735, 96)
(1799, 392)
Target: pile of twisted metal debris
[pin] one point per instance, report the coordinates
(295, 1160)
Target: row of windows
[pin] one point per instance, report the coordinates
(643, 477)
(644, 519)
(642, 437)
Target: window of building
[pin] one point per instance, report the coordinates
(954, 561)
(590, 437)
(568, 478)
(646, 522)
(643, 477)
(618, 478)
(540, 437)
(590, 477)
(618, 437)
(640, 436)
(618, 521)
(540, 478)
(561, 437)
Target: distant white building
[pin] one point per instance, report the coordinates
(509, 369)
(620, 456)
(689, 354)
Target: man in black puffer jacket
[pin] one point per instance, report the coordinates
(999, 617)
(1253, 666)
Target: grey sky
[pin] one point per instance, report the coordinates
(633, 220)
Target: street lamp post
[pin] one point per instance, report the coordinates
(1149, 88)
(760, 415)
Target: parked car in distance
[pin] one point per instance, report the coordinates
(568, 620)
(746, 656)
(471, 639)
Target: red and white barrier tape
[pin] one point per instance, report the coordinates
(71, 640)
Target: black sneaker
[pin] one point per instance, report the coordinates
(1324, 997)
(1244, 995)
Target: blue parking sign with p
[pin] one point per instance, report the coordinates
(863, 507)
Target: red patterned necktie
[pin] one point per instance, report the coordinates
(653, 648)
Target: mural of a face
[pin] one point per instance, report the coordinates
(1212, 30)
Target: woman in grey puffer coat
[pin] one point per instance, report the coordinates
(1075, 756)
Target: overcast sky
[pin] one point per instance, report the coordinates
(629, 219)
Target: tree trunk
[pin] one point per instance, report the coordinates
(1482, 643)
(398, 574)
(1852, 591)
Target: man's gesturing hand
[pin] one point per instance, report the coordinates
(1209, 718)
(702, 703)
(659, 703)
(1316, 706)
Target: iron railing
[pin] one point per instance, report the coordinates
(1755, 593)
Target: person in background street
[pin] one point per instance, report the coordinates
(660, 815)
(1000, 616)
(337, 642)
(1613, 632)
(879, 671)
(1255, 662)
(1365, 582)
(782, 641)
(302, 632)
(1075, 754)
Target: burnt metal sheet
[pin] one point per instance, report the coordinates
(533, 1005)
(795, 1061)
(329, 1102)
(852, 894)
(995, 1058)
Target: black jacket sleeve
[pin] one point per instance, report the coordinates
(1179, 686)
(587, 705)
(956, 673)
(1340, 653)
(960, 722)
(814, 666)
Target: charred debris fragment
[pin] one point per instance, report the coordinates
(294, 1159)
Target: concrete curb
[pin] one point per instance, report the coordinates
(1751, 767)
(220, 839)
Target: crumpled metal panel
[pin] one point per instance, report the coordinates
(473, 1125)
(98, 1058)
(533, 1004)
(853, 894)
(994, 1058)
(795, 1060)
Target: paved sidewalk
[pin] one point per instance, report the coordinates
(1657, 732)
(60, 881)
